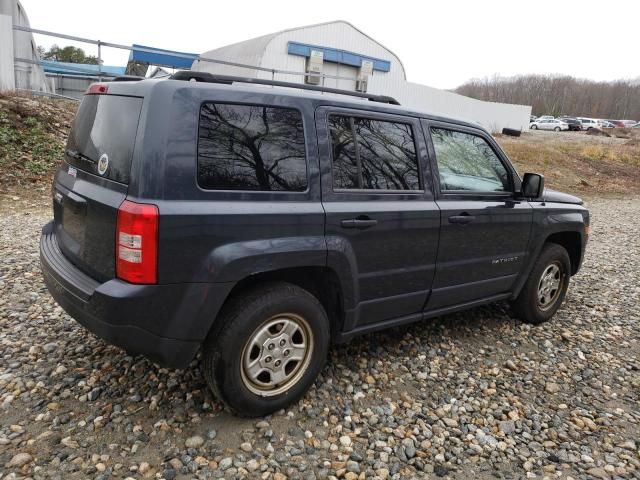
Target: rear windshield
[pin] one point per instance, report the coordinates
(103, 135)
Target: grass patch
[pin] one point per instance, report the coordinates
(578, 163)
(33, 135)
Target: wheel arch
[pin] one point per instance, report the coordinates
(322, 282)
(572, 243)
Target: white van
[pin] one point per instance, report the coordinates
(589, 123)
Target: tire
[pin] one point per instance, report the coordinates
(511, 132)
(529, 306)
(237, 362)
(557, 129)
(534, 127)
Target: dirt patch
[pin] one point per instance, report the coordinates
(576, 162)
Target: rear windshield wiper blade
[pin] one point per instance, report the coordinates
(79, 156)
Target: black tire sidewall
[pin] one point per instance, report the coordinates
(226, 349)
(527, 302)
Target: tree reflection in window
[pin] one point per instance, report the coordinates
(388, 155)
(346, 173)
(384, 157)
(250, 147)
(467, 162)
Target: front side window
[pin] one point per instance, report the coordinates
(466, 162)
(251, 147)
(372, 154)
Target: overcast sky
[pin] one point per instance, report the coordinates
(441, 43)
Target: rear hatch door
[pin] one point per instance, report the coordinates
(92, 181)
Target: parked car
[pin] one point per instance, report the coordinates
(606, 124)
(547, 124)
(546, 117)
(259, 224)
(532, 118)
(574, 123)
(637, 125)
(629, 123)
(617, 123)
(588, 123)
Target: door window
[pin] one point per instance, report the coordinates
(372, 154)
(466, 162)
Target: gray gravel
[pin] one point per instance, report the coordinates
(471, 395)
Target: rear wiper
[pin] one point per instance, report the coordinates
(79, 156)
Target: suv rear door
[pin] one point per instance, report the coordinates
(485, 228)
(380, 212)
(93, 179)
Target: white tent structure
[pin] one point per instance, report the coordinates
(16, 45)
(338, 49)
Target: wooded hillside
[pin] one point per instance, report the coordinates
(561, 95)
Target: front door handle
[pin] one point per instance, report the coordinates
(462, 219)
(359, 223)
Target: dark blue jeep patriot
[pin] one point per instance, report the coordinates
(258, 223)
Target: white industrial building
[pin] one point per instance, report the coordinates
(338, 49)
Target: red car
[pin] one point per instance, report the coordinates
(617, 123)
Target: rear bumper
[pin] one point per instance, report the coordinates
(166, 323)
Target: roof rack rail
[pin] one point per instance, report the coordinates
(127, 78)
(189, 76)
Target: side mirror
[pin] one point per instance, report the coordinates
(532, 185)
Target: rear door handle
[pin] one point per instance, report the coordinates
(360, 223)
(462, 219)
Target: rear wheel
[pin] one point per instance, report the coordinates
(546, 286)
(557, 129)
(266, 348)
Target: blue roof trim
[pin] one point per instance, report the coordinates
(164, 58)
(80, 68)
(337, 56)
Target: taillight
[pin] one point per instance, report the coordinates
(137, 242)
(96, 88)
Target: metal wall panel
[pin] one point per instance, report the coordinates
(7, 79)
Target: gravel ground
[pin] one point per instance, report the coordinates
(476, 394)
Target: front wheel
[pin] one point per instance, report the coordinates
(534, 127)
(546, 286)
(266, 348)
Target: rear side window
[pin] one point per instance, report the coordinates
(372, 154)
(467, 162)
(251, 147)
(103, 135)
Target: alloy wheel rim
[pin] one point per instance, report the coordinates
(549, 286)
(277, 354)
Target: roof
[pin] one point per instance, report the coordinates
(51, 66)
(164, 58)
(147, 86)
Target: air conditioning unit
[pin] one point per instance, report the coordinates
(314, 65)
(366, 70)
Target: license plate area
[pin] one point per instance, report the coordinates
(73, 212)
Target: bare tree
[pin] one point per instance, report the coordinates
(560, 95)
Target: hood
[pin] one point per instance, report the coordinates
(559, 197)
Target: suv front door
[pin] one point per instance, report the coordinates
(485, 228)
(381, 218)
